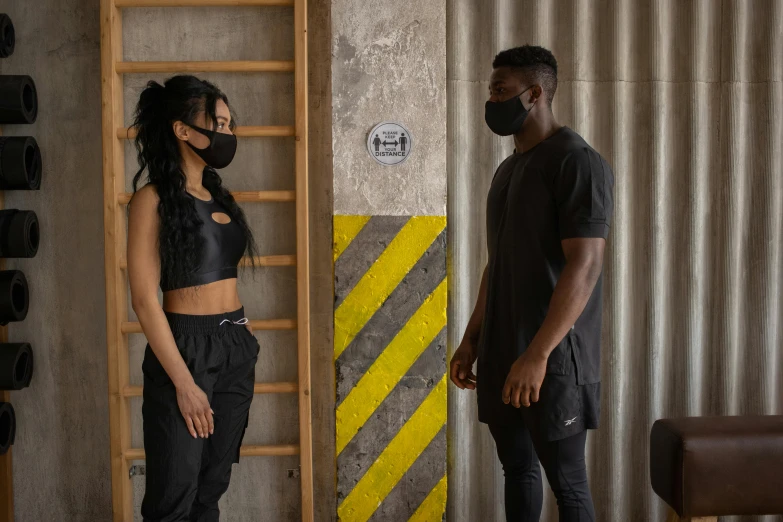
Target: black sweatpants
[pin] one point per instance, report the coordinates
(564, 464)
(186, 476)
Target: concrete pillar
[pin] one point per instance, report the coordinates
(388, 64)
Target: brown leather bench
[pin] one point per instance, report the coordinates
(706, 467)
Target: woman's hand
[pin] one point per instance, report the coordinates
(194, 406)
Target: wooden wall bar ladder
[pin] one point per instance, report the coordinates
(118, 327)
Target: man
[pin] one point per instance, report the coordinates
(536, 327)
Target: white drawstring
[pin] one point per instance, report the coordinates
(242, 321)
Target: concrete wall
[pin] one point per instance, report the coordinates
(62, 443)
(389, 63)
(390, 261)
(62, 446)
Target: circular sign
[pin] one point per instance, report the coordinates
(389, 143)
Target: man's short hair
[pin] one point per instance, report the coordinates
(535, 61)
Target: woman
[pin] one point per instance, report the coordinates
(187, 235)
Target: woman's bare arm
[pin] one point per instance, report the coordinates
(144, 276)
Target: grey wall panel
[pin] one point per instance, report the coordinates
(684, 100)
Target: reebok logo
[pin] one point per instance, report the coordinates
(570, 421)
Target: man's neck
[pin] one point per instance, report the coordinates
(534, 131)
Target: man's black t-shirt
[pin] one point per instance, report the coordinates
(559, 189)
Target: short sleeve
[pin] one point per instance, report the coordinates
(583, 194)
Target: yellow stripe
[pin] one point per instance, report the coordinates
(391, 365)
(346, 228)
(382, 278)
(398, 456)
(433, 507)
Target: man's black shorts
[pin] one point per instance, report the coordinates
(564, 408)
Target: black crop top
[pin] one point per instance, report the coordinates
(224, 246)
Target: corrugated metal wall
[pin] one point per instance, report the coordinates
(684, 98)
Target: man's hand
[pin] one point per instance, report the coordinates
(461, 365)
(525, 378)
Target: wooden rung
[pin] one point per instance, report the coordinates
(281, 260)
(199, 3)
(129, 327)
(238, 66)
(245, 451)
(276, 131)
(269, 451)
(276, 387)
(259, 388)
(265, 196)
(260, 196)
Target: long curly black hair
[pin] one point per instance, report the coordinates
(181, 98)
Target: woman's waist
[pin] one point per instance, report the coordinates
(204, 323)
(215, 298)
(199, 278)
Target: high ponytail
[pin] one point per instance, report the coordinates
(181, 99)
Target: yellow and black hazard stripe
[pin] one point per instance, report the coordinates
(390, 359)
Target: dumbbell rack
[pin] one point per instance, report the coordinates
(113, 67)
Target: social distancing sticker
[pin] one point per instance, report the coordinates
(390, 143)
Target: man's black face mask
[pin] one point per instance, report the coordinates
(506, 118)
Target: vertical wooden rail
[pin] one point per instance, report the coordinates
(303, 259)
(6, 461)
(114, 245)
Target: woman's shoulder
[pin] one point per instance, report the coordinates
(145, 198)
(147, 193)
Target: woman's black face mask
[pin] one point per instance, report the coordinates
(506, 118)
(221, 149)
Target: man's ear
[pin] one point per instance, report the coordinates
(536, 93)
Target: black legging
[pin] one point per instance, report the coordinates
(564, 464)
